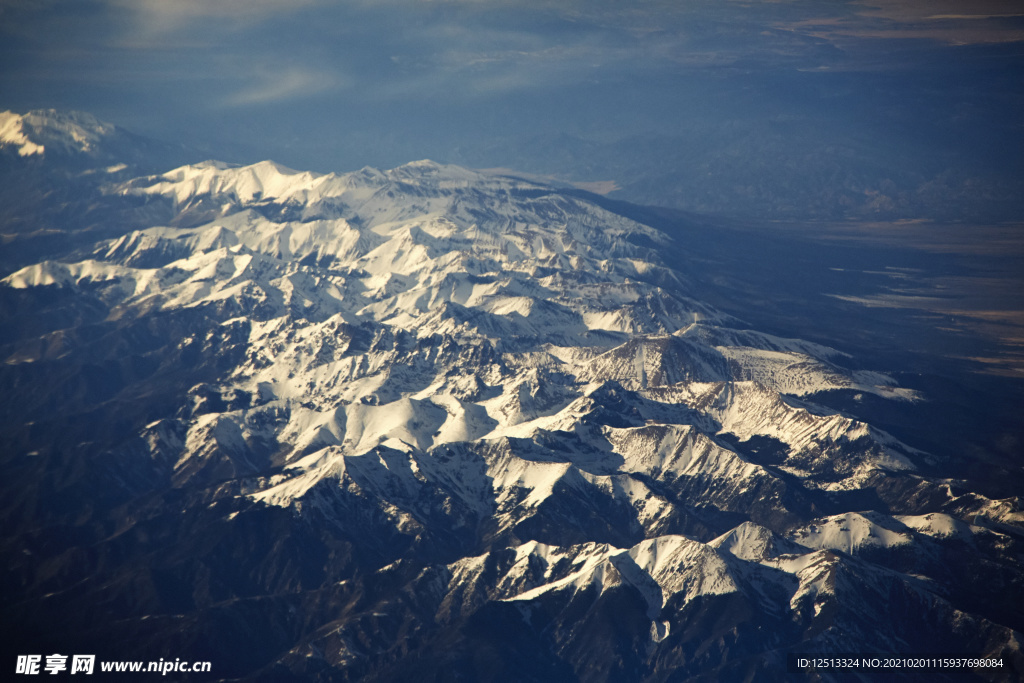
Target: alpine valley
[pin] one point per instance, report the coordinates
(436, 424)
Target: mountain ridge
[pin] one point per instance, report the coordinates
(429, 408)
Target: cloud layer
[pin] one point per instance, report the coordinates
(386, 80)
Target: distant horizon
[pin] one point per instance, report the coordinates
(782, 110)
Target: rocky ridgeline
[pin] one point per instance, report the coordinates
(460, 424)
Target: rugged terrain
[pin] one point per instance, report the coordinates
(430, 420)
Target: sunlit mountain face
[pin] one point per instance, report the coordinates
(431, 423)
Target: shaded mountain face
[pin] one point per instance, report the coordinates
(436, 424)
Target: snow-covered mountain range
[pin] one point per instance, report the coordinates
(348, 427)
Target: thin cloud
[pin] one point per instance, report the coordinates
(289, 84)
(161, 17)
(954, 22)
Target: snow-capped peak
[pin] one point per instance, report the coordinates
(50, 131)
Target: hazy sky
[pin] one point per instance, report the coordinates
(336, 85)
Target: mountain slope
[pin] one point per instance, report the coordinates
(356, 422)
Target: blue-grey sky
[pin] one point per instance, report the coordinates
(337, 85)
